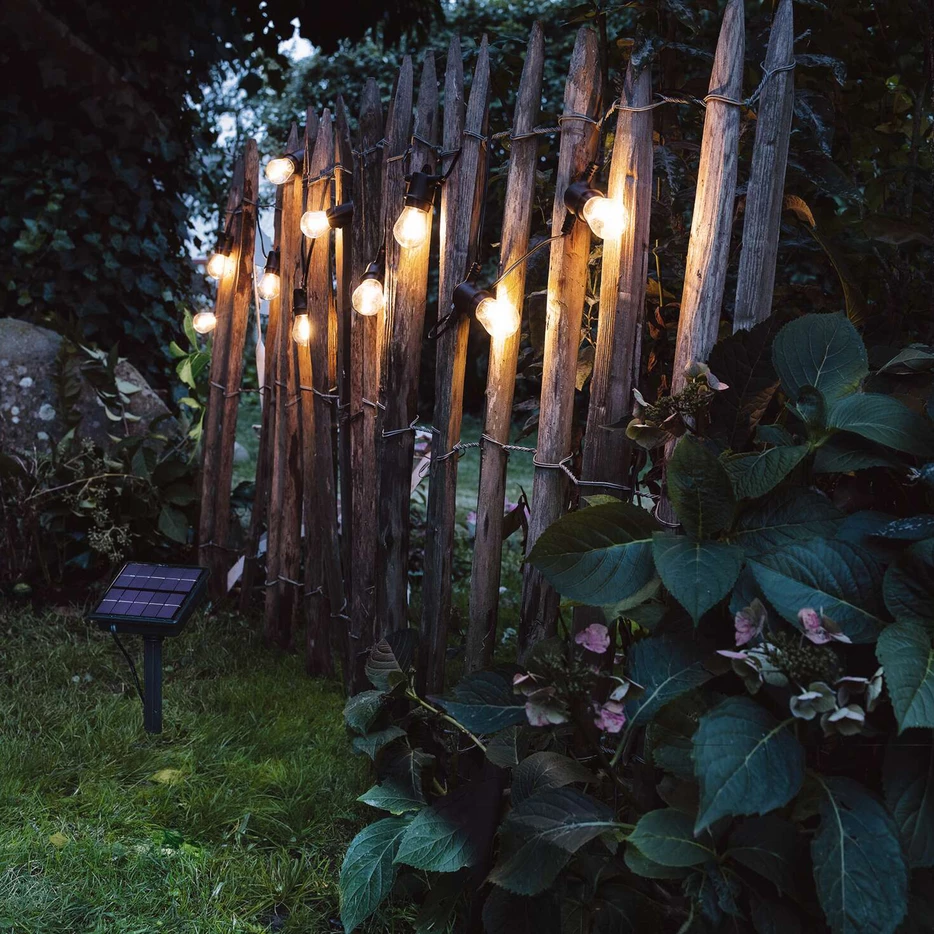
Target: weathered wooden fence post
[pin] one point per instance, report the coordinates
(283, 549)
(406, 291)
(567, 283)
(366, 338)
(622, 288)
(461, 208)
(232, 310)
(766, 189)
(712, 221)
(504, 355)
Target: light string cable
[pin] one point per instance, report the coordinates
(130, 662)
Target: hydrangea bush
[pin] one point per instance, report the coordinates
(745, 743)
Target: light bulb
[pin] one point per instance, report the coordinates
(301, 330)
(411, 229)
(314, 224)
(280, 170)
(268, 287)
(204, 322)
(606, 217)
(501, 319)
(217, 265)
(368, 298)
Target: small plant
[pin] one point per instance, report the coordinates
(745, 744)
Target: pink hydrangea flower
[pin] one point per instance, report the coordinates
(595, 638)
(750, 622)
(610, 716)
(818, 628)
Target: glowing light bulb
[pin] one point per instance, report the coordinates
(268, 287)
(280, 170)
(301, 330)
(411, 229)
(314, 224)
(204, 322)
(501, 319)
(368, 297)
(606, 217)
(217, 265)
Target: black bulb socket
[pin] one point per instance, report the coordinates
(340, 215)
(272, 261)
(224, 244)
(467, 297)
(421, 191)
(299, 302)
(578, 194)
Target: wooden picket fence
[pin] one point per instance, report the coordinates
(335, 461)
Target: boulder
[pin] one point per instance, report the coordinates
(30, 398)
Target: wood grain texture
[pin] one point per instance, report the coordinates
(711, 225)
(504, 354)
(343, 271)
(567, 284)
(365, 339)
(283, 539)
(406, 294)
(461, 207)
(324, 587)
(209, 525)
(762, 224)
(622, 290)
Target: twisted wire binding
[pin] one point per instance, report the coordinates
(284, 580)
(219, 546)
(401, 431)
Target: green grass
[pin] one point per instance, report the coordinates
(236, 818)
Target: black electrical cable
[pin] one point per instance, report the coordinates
(131, 663)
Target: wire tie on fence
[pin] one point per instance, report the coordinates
(375, 405)
(285, 580)
(444, 153)
(508, 447)
(318, 591)
(473, 134)
(723, 99)
(220, 547)
(340, 614)
(231, 393)
(425, 142)
(658, 518)
(330, 397)
(401, 431)
(398, 156)
(293, 400)
(572, 115)
(363, 153)
(563, 466)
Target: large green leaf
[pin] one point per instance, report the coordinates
(859, 869)
(842, 580)
(754, 475)
(368, 872)
(544, 770)
(699, 488)
(908, 779)
(360, 710)
(598, 555)
(485, 703)
(542, 833)
(394, 795)
(784, 518)
(698, 574)
(766, 845)
(904, 651)
(390, 658)
(909, 585)
(667, 837)
(744, 362)
(885, 421)
(745, 761)
(667, 667)
(641, 865)
(824, 351)
(668, 738)
(843, 452)
(372, 743)
(454, 832)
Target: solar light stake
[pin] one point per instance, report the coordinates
(152, 669)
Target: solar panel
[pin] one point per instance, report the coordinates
(151, 598)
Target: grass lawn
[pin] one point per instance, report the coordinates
(236, 818)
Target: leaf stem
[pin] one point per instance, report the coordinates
(411, 695)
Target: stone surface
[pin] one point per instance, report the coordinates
(30, 403)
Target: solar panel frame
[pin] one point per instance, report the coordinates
(151, 599)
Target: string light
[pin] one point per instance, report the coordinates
(220, 262)
(281, 169)
(368, 298)
(316, 223)
(270, 284)
(301, 323)
(498, 317)
(604, 216)
(411, 228)
(204, 322)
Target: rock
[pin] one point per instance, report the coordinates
(30, 402)
(241, 455)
